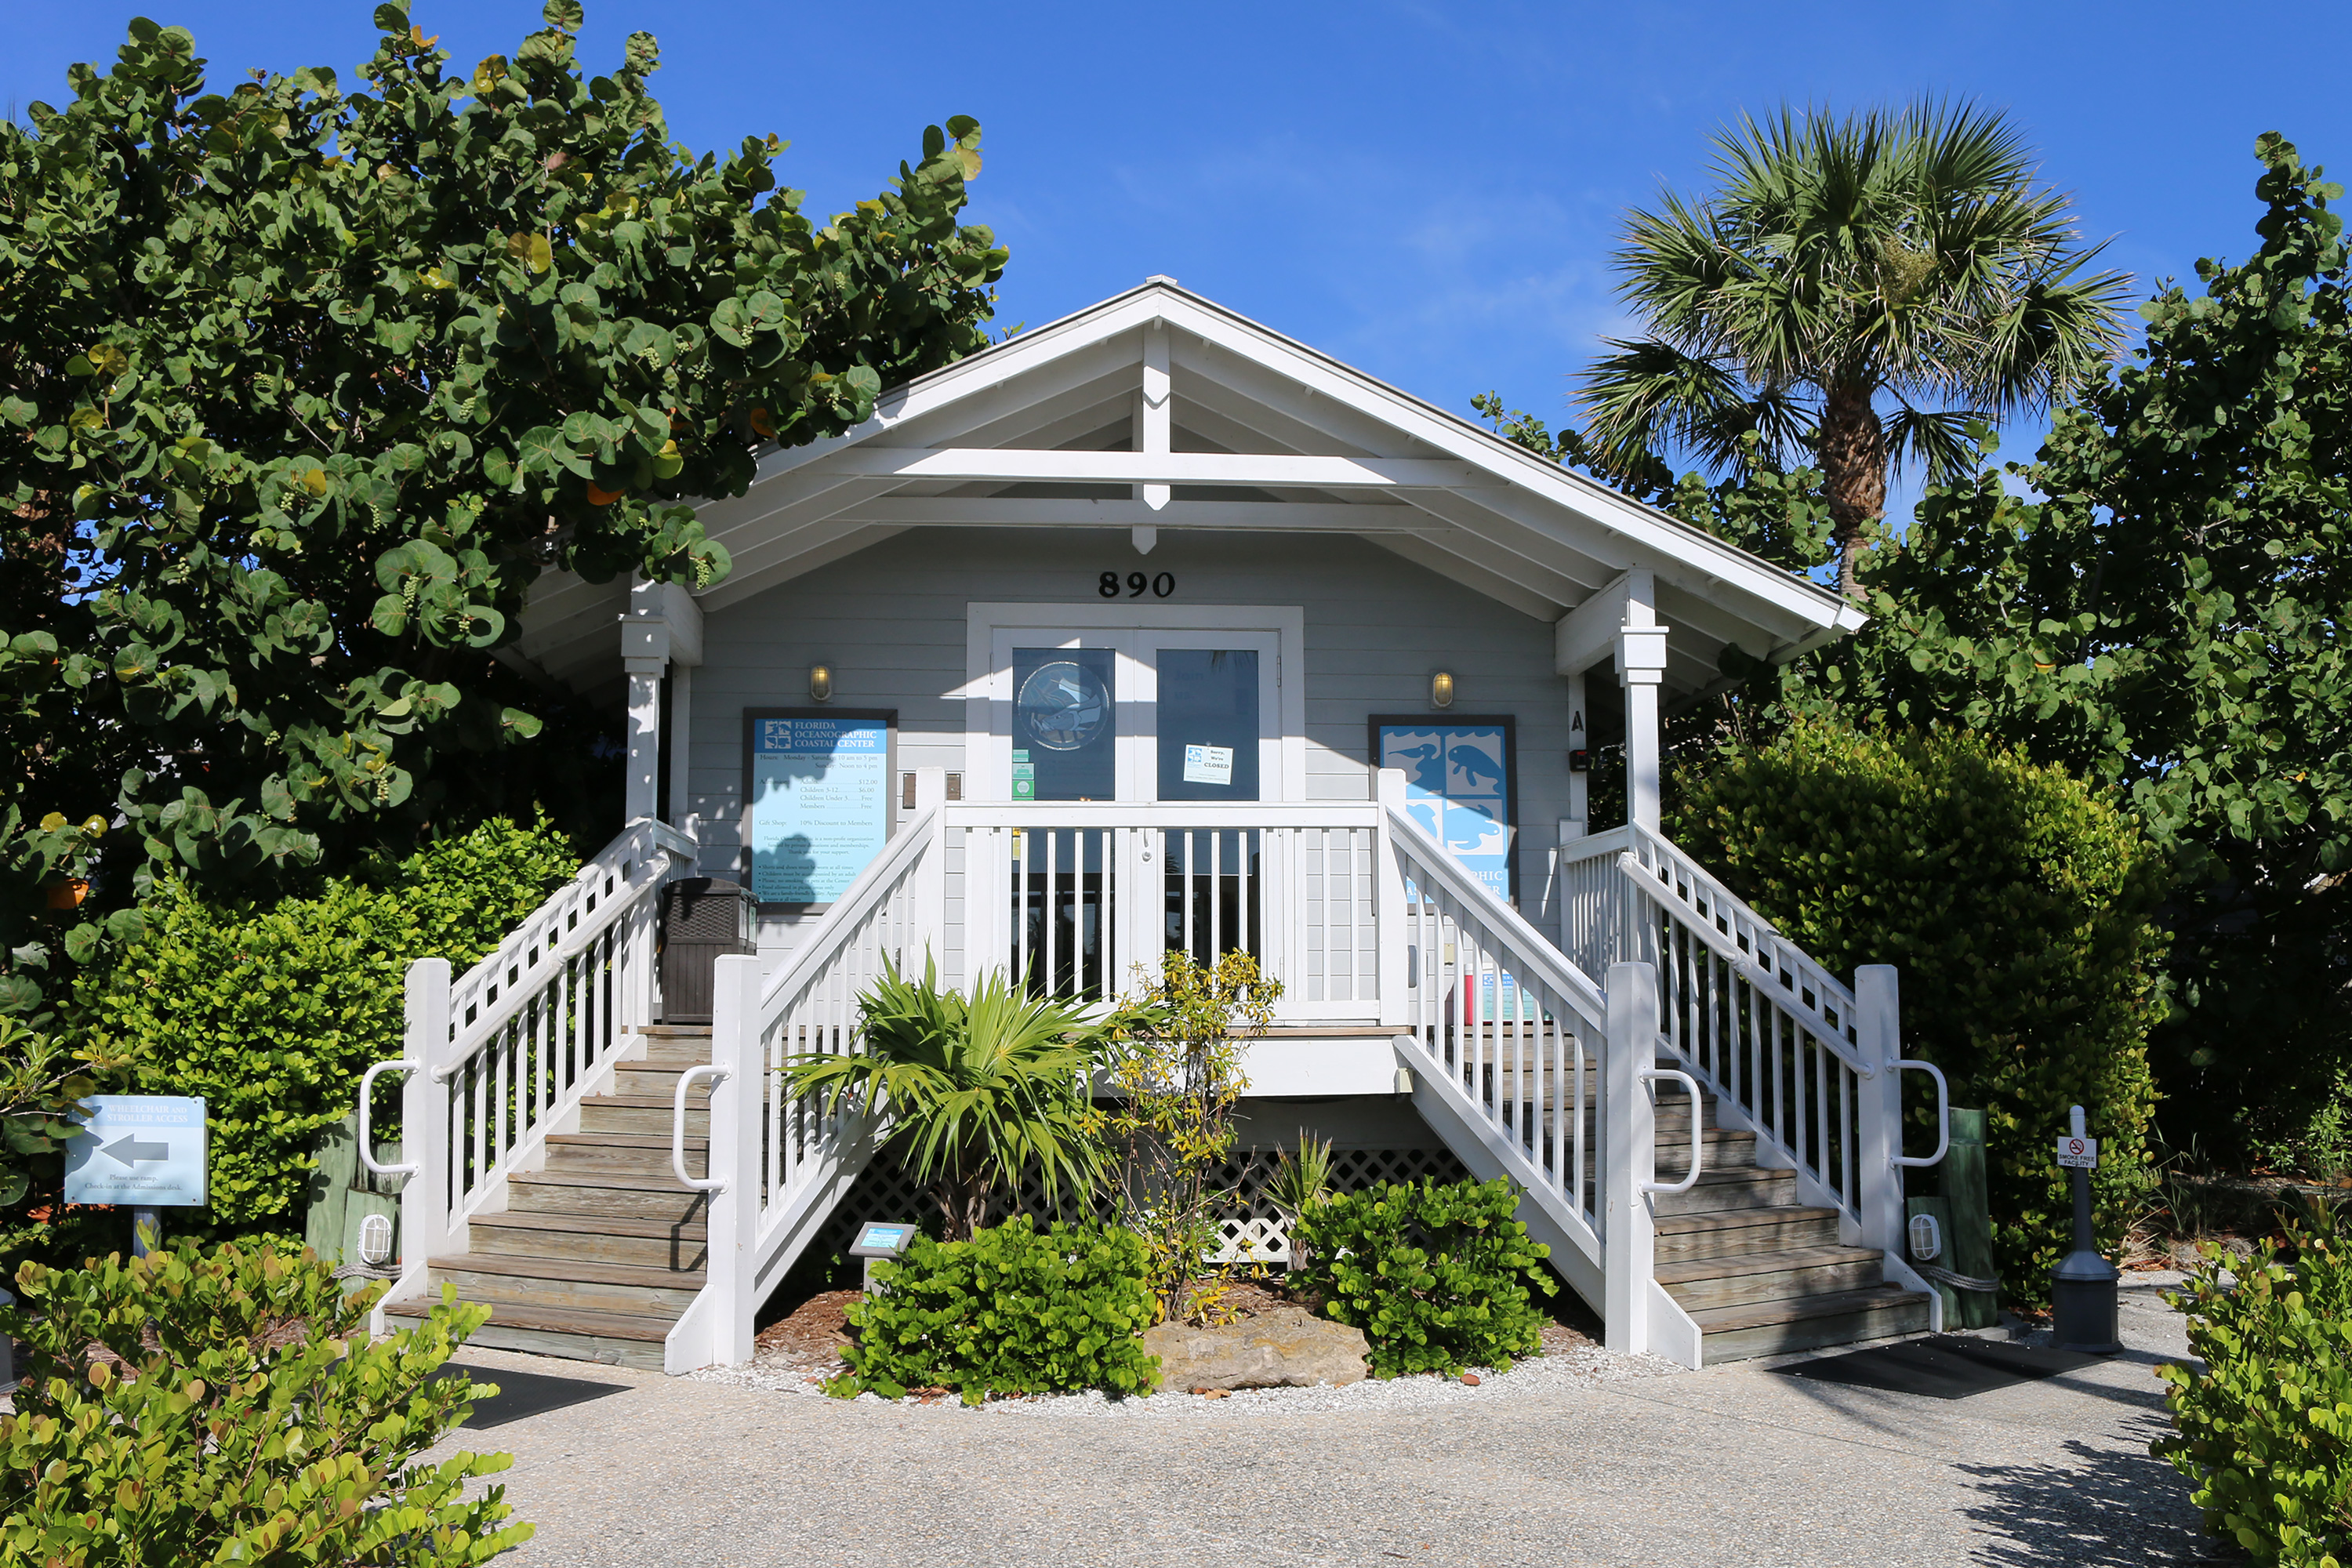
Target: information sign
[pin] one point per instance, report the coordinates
(146, 1150)
(2079, 1152)
(819, 803)
(1457, 784)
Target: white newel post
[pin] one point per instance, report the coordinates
(736, 1103)
(1877, 1024)
(1389, 912)
(426, 1228)
(681, 731)
(1628, 1156)
(930, 881)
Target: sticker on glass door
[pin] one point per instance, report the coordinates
(1065, 724)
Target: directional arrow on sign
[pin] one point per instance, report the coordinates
(127, 1149)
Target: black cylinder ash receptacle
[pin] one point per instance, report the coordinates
(702, 918)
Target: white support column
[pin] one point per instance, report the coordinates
(1628, 1157)
(1877, 1027)
(736, 1102)
(681, 736)
(1641, 666)
(1394, 927)
(425, 1231)
(645, 653)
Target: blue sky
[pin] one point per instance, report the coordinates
(1430, 191)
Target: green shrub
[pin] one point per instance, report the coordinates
(2016, 900)
(1438, 1277)
(244, 1418)
(2266, 1430)
(1009, 1311)
(271, 1014)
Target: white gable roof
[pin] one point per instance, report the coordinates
(1158, 408)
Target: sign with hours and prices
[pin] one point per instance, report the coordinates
(145, 1151)
(2079, 1154)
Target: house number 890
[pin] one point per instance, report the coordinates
(1111, 587)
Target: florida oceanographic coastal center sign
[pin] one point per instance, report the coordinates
(144, 1150)
(820, 802)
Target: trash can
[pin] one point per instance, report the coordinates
(702, 917)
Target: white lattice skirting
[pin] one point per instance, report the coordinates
(1252, 1227)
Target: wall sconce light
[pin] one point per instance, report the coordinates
(820, 683)
(1441, 690)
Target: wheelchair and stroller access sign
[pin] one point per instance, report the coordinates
(144, 1151)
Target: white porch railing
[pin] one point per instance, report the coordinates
(1809, 1066)
(499, 1058)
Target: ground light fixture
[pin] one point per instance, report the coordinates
(376, 1240)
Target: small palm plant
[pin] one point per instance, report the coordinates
(1301, 1185)
(981, 1089)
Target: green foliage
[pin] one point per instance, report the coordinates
(41, 1086)
(238, 1414)
(1849, 272)
(2265, 1429)
(1175, 1074)
(2170, 619)
(1009, 1311)
(979, 1089)
(303, 386)
(1439, 1278)
(271, 1014)
(2018, 904)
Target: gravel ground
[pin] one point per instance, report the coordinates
(1540, 1467)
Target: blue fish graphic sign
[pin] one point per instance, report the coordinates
(1457, 784)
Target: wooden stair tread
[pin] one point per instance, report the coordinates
(615, 1181)
(597, 1224)
(1698, 1268)
(1796, 1309)
(675, 1031)
(622, 1140)
(1733, 1219)
(642, 1101)
(578, 1320)
(515, 1265)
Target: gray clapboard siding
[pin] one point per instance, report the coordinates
(890, 621)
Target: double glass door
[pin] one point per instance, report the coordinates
(1140, 715)
(1158, 717)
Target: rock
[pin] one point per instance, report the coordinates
(1470, 1379)
(1285, 1347)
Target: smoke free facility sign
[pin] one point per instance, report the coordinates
(144, 1150)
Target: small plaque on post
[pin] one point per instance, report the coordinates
(2078, 1153)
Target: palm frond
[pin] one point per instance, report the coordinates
(1651, 394)
(1939, 441)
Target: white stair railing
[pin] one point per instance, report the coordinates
(498, 1060)
(780, 1161)
(1517, 1056)
(1811, 1066)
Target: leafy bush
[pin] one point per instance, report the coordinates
(2018, 904)
(2266, 1430)
(1438, 1277)
(1009, 1311)
(183, 1408)
(272, 1015)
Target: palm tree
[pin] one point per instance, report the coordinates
(1863, 287)
(981, 1089)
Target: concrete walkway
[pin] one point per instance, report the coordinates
(1735, 1465)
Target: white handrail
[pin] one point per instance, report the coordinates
(1943, 1115)
(367, 1138)
(1203, 816)
(856, 901)
(1530, 948)
(1697, 1134)
(713, 1183)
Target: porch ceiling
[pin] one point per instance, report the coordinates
(1160, 409)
